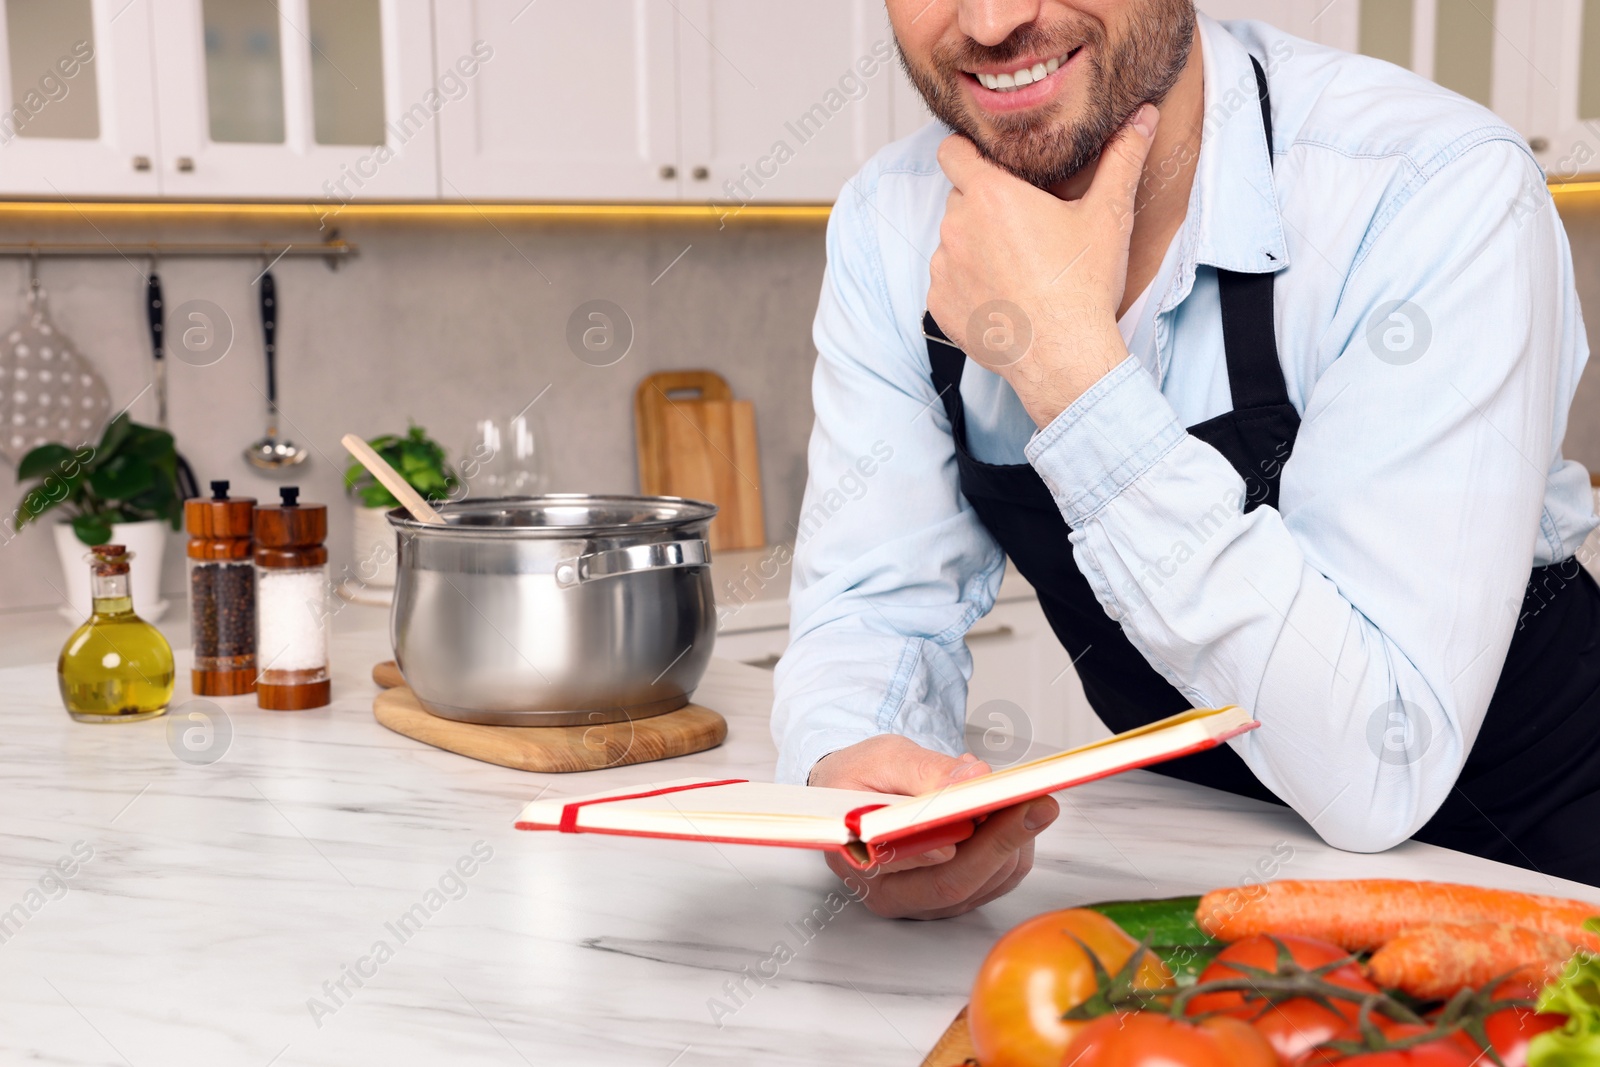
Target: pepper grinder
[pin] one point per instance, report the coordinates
(292, 604)
(222, 592)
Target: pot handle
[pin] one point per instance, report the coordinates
(663, 555)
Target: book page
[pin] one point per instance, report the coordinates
(745, 811)
(1194, 729)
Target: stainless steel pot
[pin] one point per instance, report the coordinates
(555, 610)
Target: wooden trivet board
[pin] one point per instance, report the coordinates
(549, 749)
(954, 1048)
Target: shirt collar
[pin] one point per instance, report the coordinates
(1233, 206)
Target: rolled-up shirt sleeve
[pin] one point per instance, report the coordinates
(1365, 621)
(892, 566)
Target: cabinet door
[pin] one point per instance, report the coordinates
(1322, 21)
(1024, 686)
(77, 113)
(1563, 78)
(327, 99)
(777, 106)
(1482, 49)
(578, 103)
(907, 112)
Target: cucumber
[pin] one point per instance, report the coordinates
(1168, 927)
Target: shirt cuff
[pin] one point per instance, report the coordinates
(1104, 441)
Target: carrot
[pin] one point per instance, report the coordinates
(1437, 960)
(1363, 914)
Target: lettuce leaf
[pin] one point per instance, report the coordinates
(1576, 994)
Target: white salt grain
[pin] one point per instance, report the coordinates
(293, 613)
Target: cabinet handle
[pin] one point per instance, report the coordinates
(185, 164)
(765, 663)
(701, 173)
(990, 635)
(668, 171)
(141, 163)
(1539, 144)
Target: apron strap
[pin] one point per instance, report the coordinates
(1255, 378)
(947, 362)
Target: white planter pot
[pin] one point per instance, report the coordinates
(375, 546)
(146, 540)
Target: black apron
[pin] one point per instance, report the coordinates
(1530, 791)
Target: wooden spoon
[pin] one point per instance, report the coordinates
(409, 498)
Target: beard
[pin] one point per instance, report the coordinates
(1042, 148)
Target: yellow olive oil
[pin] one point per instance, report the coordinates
(116, 667)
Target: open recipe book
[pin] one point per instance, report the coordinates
(868, 828)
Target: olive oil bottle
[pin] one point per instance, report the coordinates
(116, 667)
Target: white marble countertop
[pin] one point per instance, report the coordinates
(221, 905)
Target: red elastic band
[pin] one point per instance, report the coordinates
(569, 813)
(852, 819)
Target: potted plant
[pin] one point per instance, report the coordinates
(123, 489)
(422, 463)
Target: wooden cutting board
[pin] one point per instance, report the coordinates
(695, 440)
(955, 1046)
(548, 749)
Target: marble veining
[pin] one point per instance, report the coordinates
(328, 892)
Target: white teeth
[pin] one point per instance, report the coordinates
(1018, 78)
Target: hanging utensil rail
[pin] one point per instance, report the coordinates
(332, 251)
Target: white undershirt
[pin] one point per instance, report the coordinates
(1129, 322)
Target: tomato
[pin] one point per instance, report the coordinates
(1293, 1026)
(1445, 1052)
(1150, 1039)
(1512, 1030)
(1036, 973)
(1296, 1026)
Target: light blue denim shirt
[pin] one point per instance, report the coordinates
(1431, 340)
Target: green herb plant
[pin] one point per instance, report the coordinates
(131, 475)
(419, 459)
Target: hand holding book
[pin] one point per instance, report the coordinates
(969, 866)
(865, 828)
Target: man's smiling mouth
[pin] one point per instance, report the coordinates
(1012, 80)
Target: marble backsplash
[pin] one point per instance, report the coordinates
(442, 324)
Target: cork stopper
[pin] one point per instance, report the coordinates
(221, 527)
(106, 561)
(290, 534)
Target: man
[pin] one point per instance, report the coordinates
(1255, 358)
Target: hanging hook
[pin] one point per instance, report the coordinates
(33, 267)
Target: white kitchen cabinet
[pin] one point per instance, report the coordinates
(722, 101)
(1332, 24)
(1023, 690)
(1023, 684)
(579, 102)
(330, 100)
(907, 112)
(1563, 86)
(1535, 63)
(78, 115)
(757, 648)
(778, 107)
